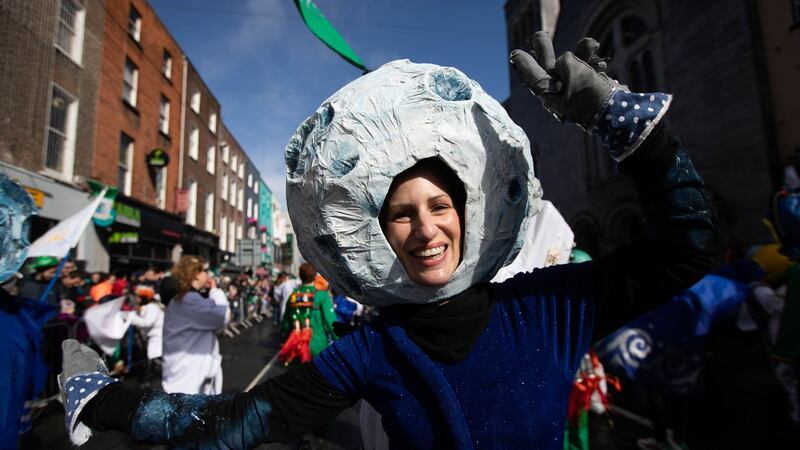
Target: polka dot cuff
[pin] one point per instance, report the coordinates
(78, 390)
(627, 119)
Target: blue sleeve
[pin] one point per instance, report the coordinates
(345, 363)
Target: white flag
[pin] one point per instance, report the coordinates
(62, 237)
(107, 324)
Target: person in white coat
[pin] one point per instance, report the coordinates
(149, 318)
(192, 362)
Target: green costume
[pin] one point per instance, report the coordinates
(306, 302)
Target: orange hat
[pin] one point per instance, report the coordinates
(321, 283)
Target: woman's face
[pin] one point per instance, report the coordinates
(201, 279)
(424, 228)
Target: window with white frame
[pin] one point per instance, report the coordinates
(250, 180)
(161, 187)
(255, 187)
(61, 126)
(69, 37)
(194, 102)
(166, 64)
(226, 153)
(255, 210)
(241, 170)
(223, 233)
(125, 165)
(209, 211)
(163, 115)
(191, 213)
(231, 235)
(194, 143)
(135, 24)
(211, 159)
(233, 194)
(212, 122)
(240, 200)
(234, 162)
(239, 232)
(249, 207)
(130, 82)
(223, 195)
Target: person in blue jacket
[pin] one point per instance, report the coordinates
(409, 189)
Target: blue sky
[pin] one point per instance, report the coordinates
(269, 72)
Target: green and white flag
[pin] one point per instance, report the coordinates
(319, 25)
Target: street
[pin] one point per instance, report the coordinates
(244, 357)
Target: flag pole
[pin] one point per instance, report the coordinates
(55, 277)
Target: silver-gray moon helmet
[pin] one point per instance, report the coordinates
(341, 162)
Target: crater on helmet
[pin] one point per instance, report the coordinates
(450, 84)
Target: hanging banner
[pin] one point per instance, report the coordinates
(66, 234)
(319, 25)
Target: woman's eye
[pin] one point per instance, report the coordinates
(401, 217)
(441, 208)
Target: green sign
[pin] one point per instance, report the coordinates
(124, 237)
(158, 158)
(128, 215)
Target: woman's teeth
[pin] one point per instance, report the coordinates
(428, 252)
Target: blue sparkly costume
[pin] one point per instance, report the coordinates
(510, 390)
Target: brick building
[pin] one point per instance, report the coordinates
(199, 165)
(231, 188)
(50, 53)
(710, 56)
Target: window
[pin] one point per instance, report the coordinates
(163, 115)
(212, 122)
(249, 207)
(130, 82)
(194, 143)
(135, 24)
(191, 213)
(224, 192)
(250, 180)
(240, 200)
(69, 37)
(209, 209)
(60, 150)
(233, 194)
(239, 232)
(211, 159)
(166, 65)
(231, 235)
(195, 101)
(161, 187)
(255, 210)
(255, 187)
(241, 170)
(124, 167)
(223, 233)
(234, 163)
(226, 153)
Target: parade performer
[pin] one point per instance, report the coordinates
(309, 321)
(408, 190)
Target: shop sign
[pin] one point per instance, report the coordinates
(128, 215)
(124, 237)
(158, 158)
(37, 195)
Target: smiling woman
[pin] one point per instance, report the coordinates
(422, 219)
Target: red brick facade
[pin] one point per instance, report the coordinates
(140, 122)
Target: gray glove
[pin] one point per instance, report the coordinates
(572, 87)
(78, 359)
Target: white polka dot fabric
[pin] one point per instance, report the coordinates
(78, 390)
(627, 119)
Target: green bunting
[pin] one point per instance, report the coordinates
(323, 29)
